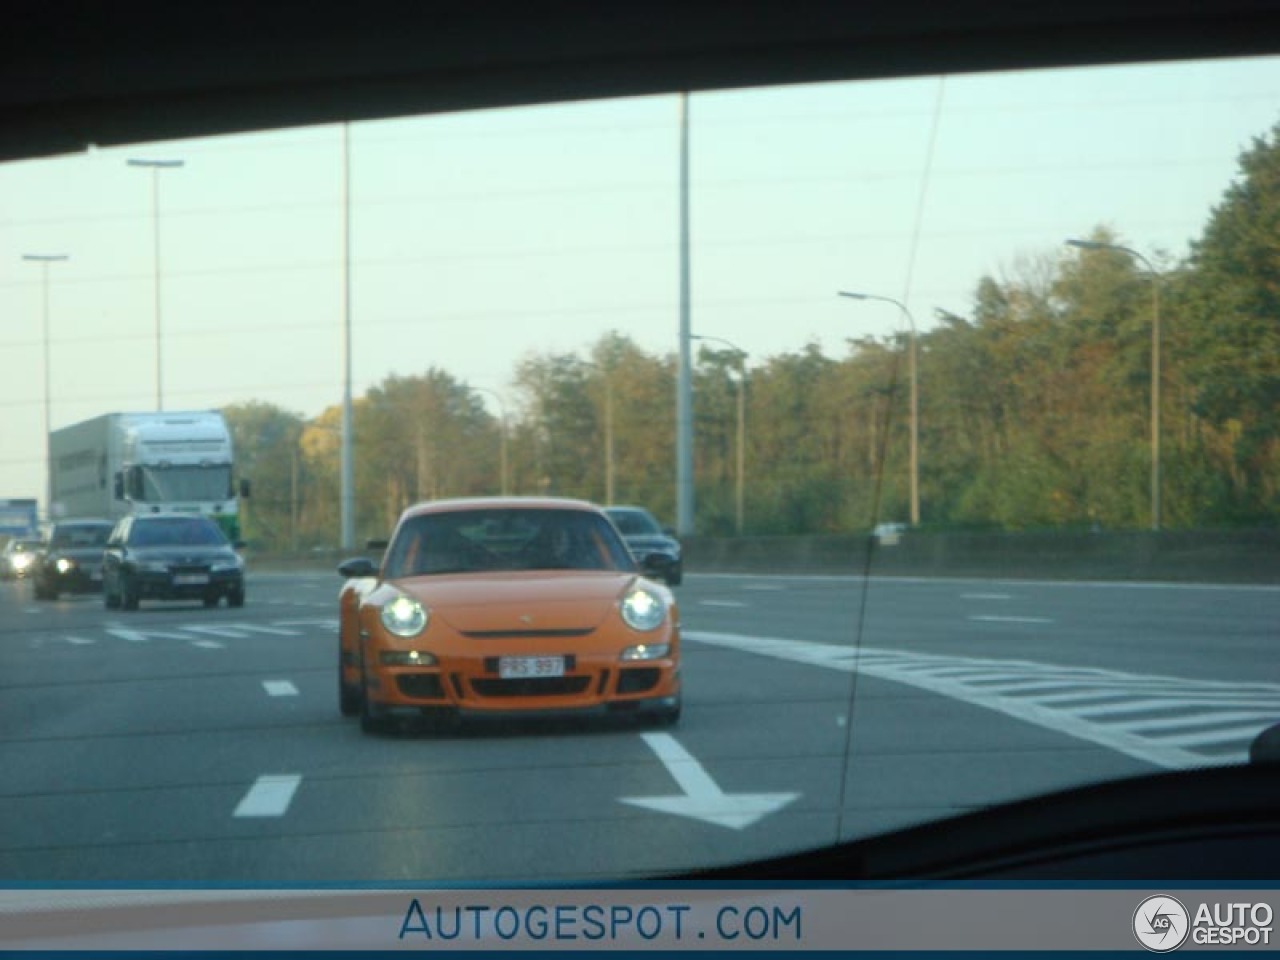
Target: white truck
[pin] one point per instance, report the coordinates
(130, 463)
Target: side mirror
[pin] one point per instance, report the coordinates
(238, 544)
(358, 567)
(376, 544)
(670, 532)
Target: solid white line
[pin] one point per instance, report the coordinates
(269, 796)
(209, 644)
(986, 596)
(764, 586)
(80, 641)
(721, 603)
(992, 619)
(1208, 737)
(280, 688)
(1147, 727)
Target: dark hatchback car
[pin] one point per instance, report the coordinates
(71, 561)
(171, 557)
(645, 537)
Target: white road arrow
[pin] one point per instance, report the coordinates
(702, 798)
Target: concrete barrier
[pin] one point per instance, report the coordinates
(1178, 556)
(1245, 557)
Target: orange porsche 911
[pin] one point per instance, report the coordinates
(505, 606)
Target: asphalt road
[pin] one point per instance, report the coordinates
(184, 745)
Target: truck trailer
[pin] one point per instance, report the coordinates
(131, 463)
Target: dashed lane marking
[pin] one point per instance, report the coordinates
(280, 688)
(989, 618)
(986, 596)
(721, 603)
(269, 796)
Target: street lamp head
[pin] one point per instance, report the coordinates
(161, 164)
(1091, 244)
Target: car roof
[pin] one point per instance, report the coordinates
(499, 503)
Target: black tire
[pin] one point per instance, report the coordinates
(235, 596)
(675, 577)
(211, 601)
(665, 717)
(44, 593)
(350, 699)
(372, 720)
(110, 600)
(129, 594)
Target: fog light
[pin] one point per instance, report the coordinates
(646, 651)
(406, 658)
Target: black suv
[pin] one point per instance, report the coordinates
(171, 557)
(650, 543)
(71, 561)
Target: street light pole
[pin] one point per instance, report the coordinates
(913, 376)
(741, 472)
(156, 166)
(44, 260)
(1155, 364)
(347, 466)
(684, 378)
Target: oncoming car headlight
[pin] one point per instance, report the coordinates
(405, 616)
(643, 610)
(65, 564)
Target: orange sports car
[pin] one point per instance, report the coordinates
(507, 605)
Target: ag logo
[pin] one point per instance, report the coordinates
(1161, 923)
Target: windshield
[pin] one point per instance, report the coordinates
(175, 532)
(474, 541)
(631, 523)
(961, 394)
(161, 484)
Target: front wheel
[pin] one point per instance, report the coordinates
(235, 597)
(130, 595)
(110, 600)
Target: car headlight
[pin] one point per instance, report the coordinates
(643, 610)
(21, 562)
(405, 616)
(227, 566)
(65, 564)
(646, 651)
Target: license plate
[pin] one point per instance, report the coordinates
(515, 668)
(190, 579)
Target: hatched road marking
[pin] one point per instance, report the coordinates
(1167, 721)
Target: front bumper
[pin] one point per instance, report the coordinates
(472, 685)
(82, 578)
(179, 585)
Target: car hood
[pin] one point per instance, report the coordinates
(524, 601)
(180, 554)
(78, 554)
(645, 543)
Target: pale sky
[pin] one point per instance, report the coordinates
(478, 238)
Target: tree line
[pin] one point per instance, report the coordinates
(1034, 410)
